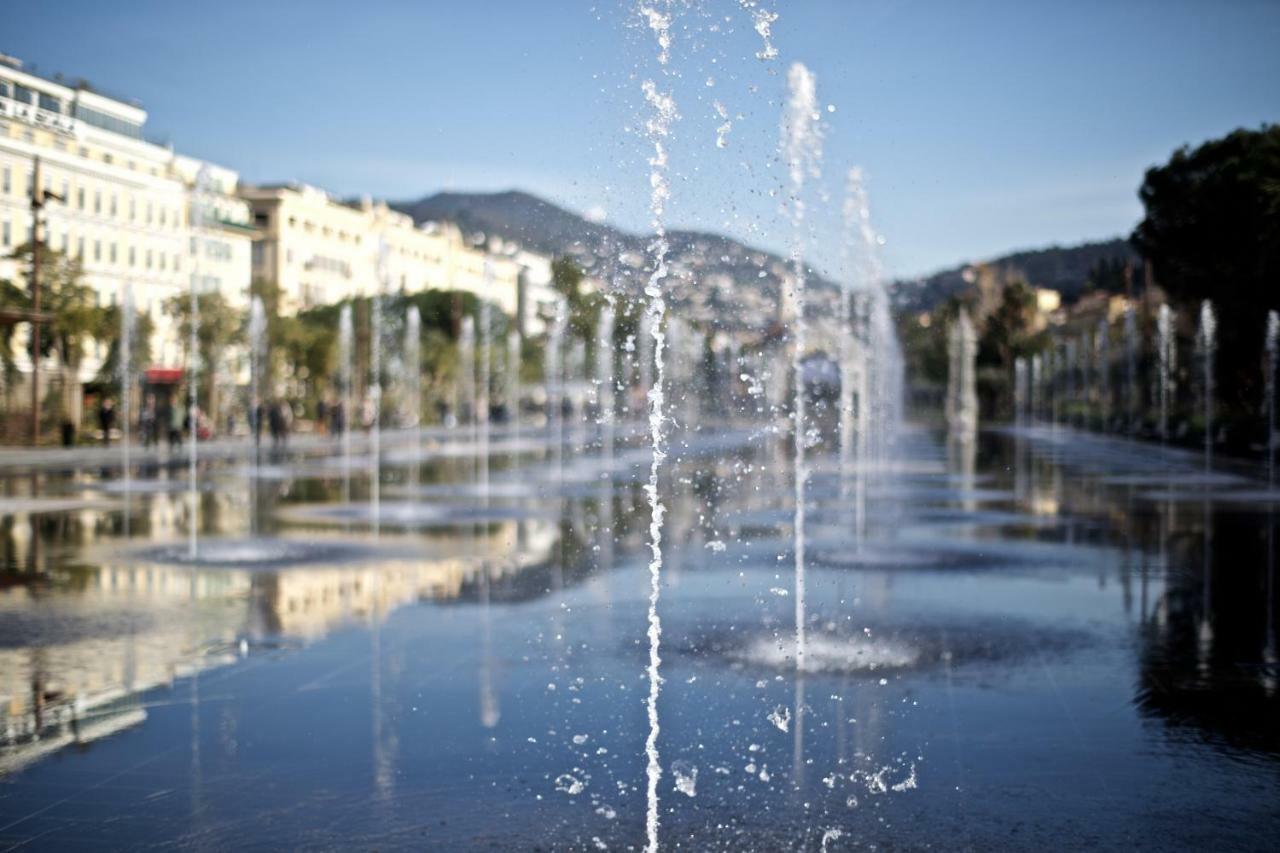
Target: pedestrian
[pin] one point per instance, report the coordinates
(275, 423)
(337, 418)
(147, 420)
(322, 410)
(106, 417)
(175, 422)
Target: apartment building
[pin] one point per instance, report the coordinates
(134, 213)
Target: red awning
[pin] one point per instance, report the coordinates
(164, 375)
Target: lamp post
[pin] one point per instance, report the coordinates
(38, 198)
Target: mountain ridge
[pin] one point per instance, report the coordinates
(726, 263)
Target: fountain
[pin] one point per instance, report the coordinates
(551, 380)
(124, 368)
(1020, 390)
(1166, 353)
(346, 366)
(852, 358)
(1037, 386)
(411, 402)
(257, 333)
(375, 387)
(1131, 370)
(193, 359)
(658, 128)
(483, 390)
(1273, 361)
(467, 396)
(513, 382)
(801, 147)
(645, 356)
(1208, 347)
(605, 382)
(962, 389)
(576, 375)
(1102, 343)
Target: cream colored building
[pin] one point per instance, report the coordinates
(320, 250)
(126, 207)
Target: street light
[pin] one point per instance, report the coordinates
(39, 195)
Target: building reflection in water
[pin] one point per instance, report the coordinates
(80, 642)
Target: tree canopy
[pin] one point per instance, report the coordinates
(1212, 231)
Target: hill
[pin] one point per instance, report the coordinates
(1065, 269)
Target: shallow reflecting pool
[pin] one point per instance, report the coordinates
(1034, 640)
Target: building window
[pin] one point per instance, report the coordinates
(114, 204)
(133, 209)
(8, 180)
(80, 197)
(66, 242)
(80, 248)
(106, 122)
(113, 253)
(148, 259)
(108, 159)
(148, 213)
(6, 236)
(163, 211)
(97, 250)
(84, 152)
(4, 89)
(162, 261)
(66, 190)
(22, 94)
(97, 201)
(177, 262)
(50, 103)
(133, 256)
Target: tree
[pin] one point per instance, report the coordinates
(1212, 231)
(75, 318)
(584, 308)
(220, 326)
(1009, 334)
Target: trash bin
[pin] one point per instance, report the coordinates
(68, 434)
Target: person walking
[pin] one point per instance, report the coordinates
(275, 423)
(106, 417)
(175, 422)
(147, 421)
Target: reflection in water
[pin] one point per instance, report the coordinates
(988, 563)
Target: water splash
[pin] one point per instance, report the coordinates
(726, 124)
(346, 359)
(513, 381)
(128, 319)
(375, 390)
(781, 718)
(257, 357)
(1208, 348)
(1131, 369)
(1166, 354)
(198, 217)
(686, 778)
(1273, 361)
(762, 21)
(801, 147)
(605, 381)
(411, 414)
(662, 117)
(962, 393)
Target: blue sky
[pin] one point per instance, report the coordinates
(983, 126)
